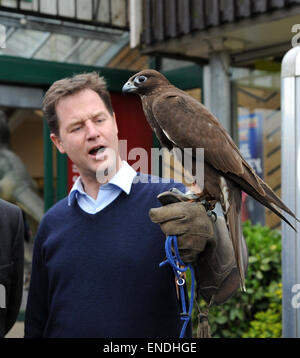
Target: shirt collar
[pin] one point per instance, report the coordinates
(122, 179)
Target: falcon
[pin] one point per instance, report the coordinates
(180, 121)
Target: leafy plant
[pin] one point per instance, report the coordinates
(267, 324)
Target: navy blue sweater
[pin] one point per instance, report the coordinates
(98, 275)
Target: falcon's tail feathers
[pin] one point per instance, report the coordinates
(276, 201)
(270, 200)
(233, 220)
(232, 212)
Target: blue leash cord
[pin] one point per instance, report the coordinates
(175, 261)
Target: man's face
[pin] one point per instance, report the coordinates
(88, 133)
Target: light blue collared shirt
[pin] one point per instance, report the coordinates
(108, 192)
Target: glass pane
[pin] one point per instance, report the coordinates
(22, 42)
(56, 48)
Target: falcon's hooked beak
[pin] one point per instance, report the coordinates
(129, 87)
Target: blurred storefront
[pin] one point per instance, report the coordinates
(258, 119)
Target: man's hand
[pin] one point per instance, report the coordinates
(188, 221)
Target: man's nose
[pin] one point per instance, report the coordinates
(92, 130)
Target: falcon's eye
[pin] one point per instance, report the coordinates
(140, 79)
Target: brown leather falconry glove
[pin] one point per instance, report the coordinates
(203, 242)
(188, 221)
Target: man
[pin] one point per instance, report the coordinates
(96, 257)
(11, 264)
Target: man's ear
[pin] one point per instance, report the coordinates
(57, 142)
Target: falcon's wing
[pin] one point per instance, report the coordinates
(188, 124)
(163, 139)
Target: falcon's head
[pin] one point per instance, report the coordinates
(144, 82)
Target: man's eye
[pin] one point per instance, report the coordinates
(75, 129)
(99, 120)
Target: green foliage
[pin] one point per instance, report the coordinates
(256, 312)
(267, 324)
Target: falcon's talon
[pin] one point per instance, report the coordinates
(212, 214)
(209, 206)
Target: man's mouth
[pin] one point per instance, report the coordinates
(97, 150)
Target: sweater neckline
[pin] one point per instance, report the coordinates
(116, 201)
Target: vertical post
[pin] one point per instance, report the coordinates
(220, 98)
(136, 16)
(290, 159)
(48, 168)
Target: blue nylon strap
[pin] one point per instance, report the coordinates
(179, 267)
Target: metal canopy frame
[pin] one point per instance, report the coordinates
(56, 14)
(65, 27)
(75, 40)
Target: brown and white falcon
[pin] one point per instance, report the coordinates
(180, 121)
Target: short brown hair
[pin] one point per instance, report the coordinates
(68, 86)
